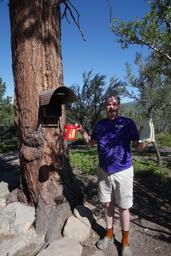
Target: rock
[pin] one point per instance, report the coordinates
(13, 245)
(63, 247)
(16, 218)
(76, 229)
(4, 191)
(2, 202)
(98, 253)
(84, 214)
(90, 206)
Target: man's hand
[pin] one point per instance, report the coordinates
(85, 135)
(80, 128)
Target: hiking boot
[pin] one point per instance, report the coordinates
(126, 251)
(104, 243)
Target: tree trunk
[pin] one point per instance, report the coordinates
(46, 175)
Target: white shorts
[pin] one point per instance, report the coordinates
(117, 186)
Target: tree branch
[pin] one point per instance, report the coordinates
(161, 52)
(70, 7)
(141, 42)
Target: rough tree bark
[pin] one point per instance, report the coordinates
(47, 178)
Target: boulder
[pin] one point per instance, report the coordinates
(16, 218)
(76, 229)
(63, 247)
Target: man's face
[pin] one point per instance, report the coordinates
(112, 107)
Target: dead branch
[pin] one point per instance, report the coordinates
(75, 17)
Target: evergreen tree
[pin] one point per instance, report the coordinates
(7, 129)
(91, 98)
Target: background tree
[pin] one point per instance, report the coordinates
(151, 90)
(153, 84)
(153, 31)
(91, 98)
(47, 179)
(7, 130)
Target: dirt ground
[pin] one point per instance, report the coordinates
(150, 232)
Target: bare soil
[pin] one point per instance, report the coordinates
(150, 232)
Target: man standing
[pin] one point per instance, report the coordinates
(113, 136)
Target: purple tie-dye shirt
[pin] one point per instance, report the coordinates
(113, 139)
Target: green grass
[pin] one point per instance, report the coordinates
(86, 161)
(149, 167)
(164, 139)
(4, 148)
(8, 138)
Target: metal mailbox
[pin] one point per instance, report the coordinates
(51, 102)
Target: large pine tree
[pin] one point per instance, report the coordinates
(47, 181)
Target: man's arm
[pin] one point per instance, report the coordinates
(139, 145)
(86, 136)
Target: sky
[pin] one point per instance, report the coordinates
(99, 53)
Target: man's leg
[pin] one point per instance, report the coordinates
(125, 224)
(105, 196)
(108, 238)
(109, 214)
(124, 198)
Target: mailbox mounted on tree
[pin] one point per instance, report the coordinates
(51, 102)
